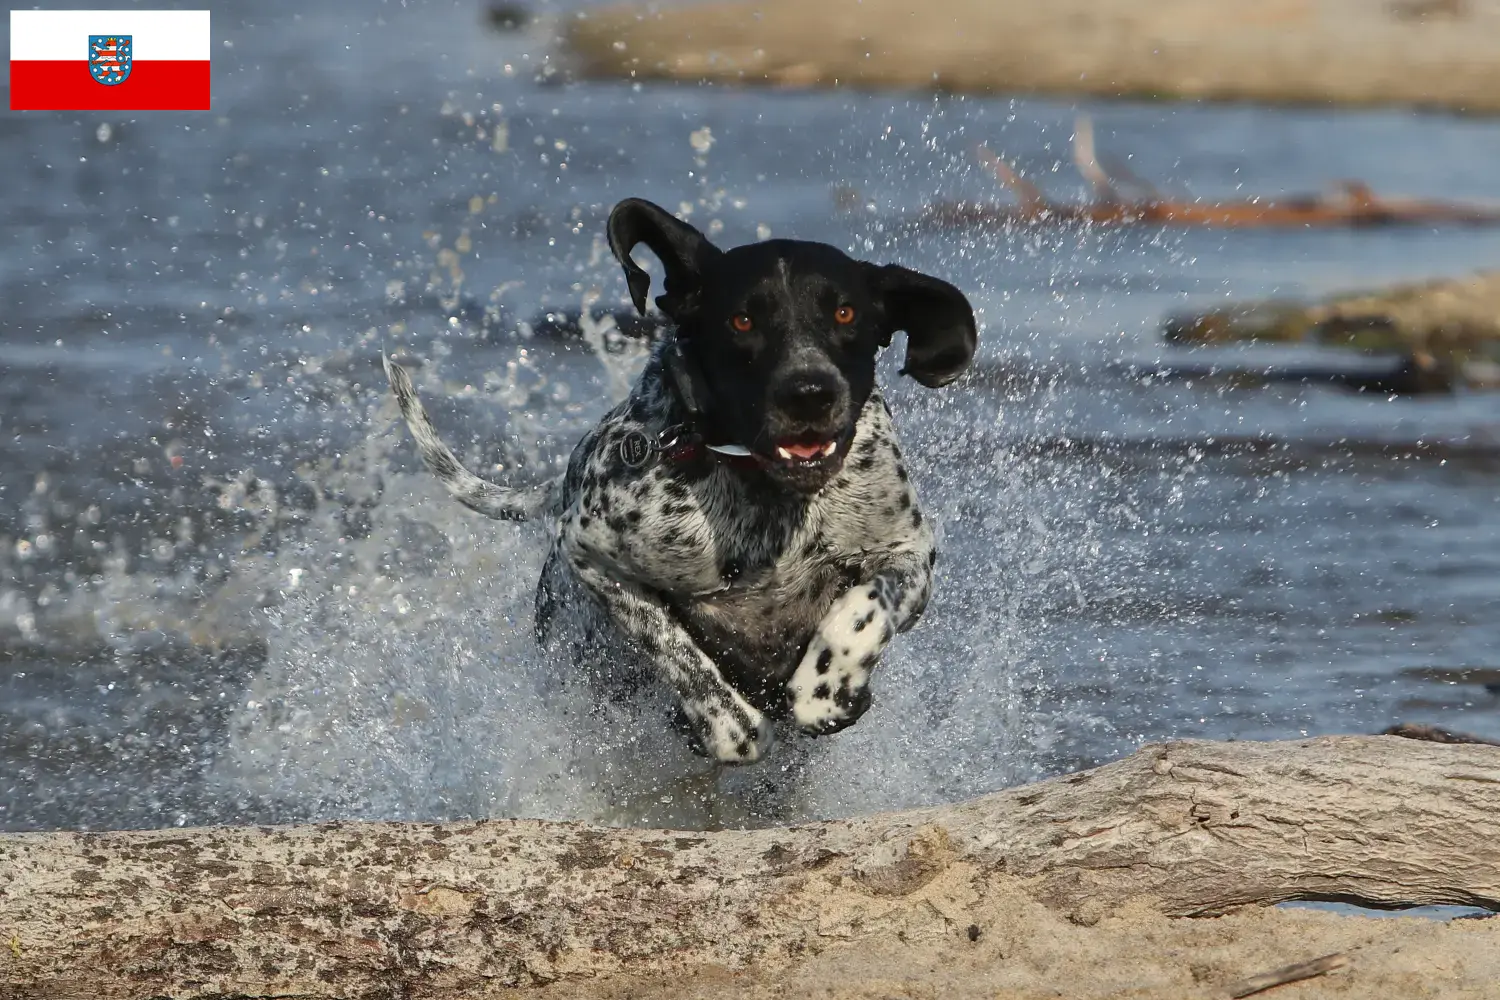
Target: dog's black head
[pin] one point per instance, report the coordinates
(779, 338)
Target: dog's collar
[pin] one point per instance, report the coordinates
(682, 442)
(679, 443)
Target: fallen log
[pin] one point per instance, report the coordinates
(1109, 855)
(1450, 325)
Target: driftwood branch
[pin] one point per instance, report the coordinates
(1288, 974)
(1352, 203)
(469, 909)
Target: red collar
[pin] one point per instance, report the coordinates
(691, 447)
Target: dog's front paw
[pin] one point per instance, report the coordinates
(830, 688)
(730, 732)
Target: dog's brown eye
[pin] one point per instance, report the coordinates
(844, 314)
(741, 322)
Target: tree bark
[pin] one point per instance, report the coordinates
(477, 908)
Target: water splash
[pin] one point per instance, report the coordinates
(402, 680)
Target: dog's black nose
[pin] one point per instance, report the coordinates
(809, 395)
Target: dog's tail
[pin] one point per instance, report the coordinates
(468, 489)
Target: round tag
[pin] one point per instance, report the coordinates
(635, 449)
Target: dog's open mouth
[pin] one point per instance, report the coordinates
(806, 455)
(805, 461)
(805, 452)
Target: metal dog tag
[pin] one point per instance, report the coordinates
(635, 449)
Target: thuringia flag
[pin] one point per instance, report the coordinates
(109, 60)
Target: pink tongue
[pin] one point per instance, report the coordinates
(804, 450)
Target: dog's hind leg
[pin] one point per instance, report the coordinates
(729, 729)
(468, 489)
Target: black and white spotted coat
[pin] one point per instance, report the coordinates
(748, 600)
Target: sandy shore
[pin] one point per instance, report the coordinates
(1031, 954)
(1436, 53)
(1027, 952)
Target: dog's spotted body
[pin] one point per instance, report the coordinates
(743, 526)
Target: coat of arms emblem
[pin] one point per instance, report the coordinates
(110, 58)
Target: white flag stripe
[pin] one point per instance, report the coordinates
(64, 34)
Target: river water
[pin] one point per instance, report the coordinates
(228, 593)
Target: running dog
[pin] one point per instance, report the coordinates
(742, 527)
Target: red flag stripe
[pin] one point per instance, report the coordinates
(160, 85)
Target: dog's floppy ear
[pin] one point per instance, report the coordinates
(938, 320)
(685, 254)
